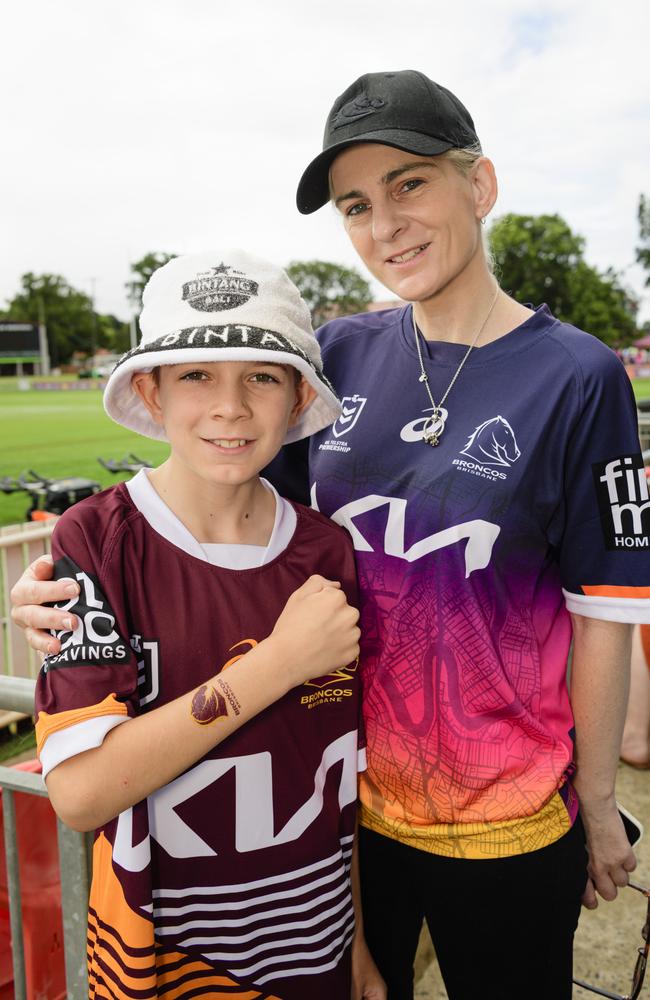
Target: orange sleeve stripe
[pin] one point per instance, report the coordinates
(47, 724)
(636, 592)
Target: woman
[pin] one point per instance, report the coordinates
(481, 473)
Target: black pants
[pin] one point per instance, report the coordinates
(502, 929)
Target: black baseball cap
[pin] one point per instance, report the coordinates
(404, 109)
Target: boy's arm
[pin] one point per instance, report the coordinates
(367, 983)
(315, 634)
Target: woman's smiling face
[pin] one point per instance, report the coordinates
(413, 220)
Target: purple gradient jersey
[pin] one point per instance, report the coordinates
(233, 879)
(470, 556)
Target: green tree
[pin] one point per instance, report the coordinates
(66, 312)
(602, 307)
(534, 256)
(538, 258)
(113, 334)
(141, 271)
(643, 251)
(329, 290)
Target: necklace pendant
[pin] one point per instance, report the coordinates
(433, 428)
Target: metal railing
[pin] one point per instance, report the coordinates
(17, 694)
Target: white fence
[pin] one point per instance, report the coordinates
(20, 544)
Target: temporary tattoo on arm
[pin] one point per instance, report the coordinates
(230, 695)
(208, 705)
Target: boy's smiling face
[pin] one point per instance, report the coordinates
(225, 420)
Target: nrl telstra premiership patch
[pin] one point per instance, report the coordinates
(624, 502)
(222, 287)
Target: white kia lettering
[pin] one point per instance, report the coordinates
(254, 813)
(481, 535)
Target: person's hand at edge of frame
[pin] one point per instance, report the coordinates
(34, 589)
(367, 983)
(611, 859)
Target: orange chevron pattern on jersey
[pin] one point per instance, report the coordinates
(124, 961)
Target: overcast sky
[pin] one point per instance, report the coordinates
(182, 125)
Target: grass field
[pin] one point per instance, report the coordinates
(61, 433)
(641, 388)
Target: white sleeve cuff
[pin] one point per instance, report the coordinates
(68, 742)
(628, 610)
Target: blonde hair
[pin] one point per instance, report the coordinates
(463, 160)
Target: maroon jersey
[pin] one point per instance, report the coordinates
(233, 879)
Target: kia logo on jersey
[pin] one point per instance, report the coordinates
(351, 407)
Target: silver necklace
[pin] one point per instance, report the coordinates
(435, 424)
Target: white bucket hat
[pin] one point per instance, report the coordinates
(221, 306)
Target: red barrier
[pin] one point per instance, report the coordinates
(40, 887)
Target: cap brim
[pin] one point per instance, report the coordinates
(313, 189)
(126, 408)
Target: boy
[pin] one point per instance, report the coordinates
(211, 619)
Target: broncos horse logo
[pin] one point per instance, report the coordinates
(493, 443)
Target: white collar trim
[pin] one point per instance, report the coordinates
(163, 520)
